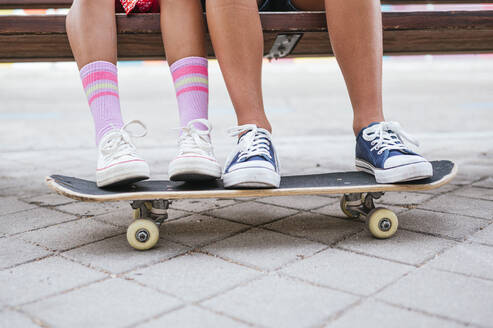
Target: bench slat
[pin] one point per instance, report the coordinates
(43, 38)
(44, 4)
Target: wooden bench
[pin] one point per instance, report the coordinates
(43, 37)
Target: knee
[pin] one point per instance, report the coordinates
(87, 8)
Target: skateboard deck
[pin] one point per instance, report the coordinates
(150, 199)
(326, 183)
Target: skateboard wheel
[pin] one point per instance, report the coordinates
(137, 214)
(349, 213)
(382, 223)
(142, 234)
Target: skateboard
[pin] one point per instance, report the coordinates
(150, 199)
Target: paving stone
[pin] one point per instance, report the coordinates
(32, 219)
(193, 317)
(252, 213)
(463, 180)
(404, 199)
(347, 271)
(14, 251)
(10, 318)
(304, 202)
(405, 246)
(200, 205)
(485, 183)
(13, 205)
(72, 234)
(264, 249)
(195, 276)
(196, 230)
(91, 208)
(50, 200)
(110, 303)
(461, 205)
(38, 279)
(451, 295)
(474, 192)
(373, 313)
(442, 190)
(294, 303)
(116, 255)
(317, 227)
(443, 224)
(484, 236)
(467, 258)
(124, 216)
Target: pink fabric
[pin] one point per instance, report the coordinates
(192, 89)
(102, 94)
(99, 76)
(100, 82)
(187, 70)
(193, 97)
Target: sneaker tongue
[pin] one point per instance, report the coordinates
(244, 134)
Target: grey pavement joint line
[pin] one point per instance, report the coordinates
(123, 274)
(439, 316)
(340, 313)
(28, 261)
(226, 259)
(209, 213)
(441, 212)
(198, 247)
(157, 316)
(35, 320)
(458, 239)
(227, 315)
(198, 302)
(397, 261)
(65, 291)
(81, 245)
(462, 274)
(343, 238)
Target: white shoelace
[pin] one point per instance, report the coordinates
(195, 141)
(253, 143)
(388, 135)
(120, 144)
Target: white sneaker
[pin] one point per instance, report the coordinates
(195, 160)
(118, 161)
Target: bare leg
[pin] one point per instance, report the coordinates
(183, 29)
(355, 29)
(236, 34)
(91, 29)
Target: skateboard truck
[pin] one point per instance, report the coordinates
(143, 232)
(381, 222)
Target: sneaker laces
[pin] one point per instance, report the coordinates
(120, 144)
(253, 143)
(388, 136)
(194, 140)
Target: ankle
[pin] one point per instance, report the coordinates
(360, 124)
(263, 124)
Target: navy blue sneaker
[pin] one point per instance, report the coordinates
(253, 163)
(380, 150)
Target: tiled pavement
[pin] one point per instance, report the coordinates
(262, 262)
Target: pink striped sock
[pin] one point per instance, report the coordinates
(192, 89)
(100, 83)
